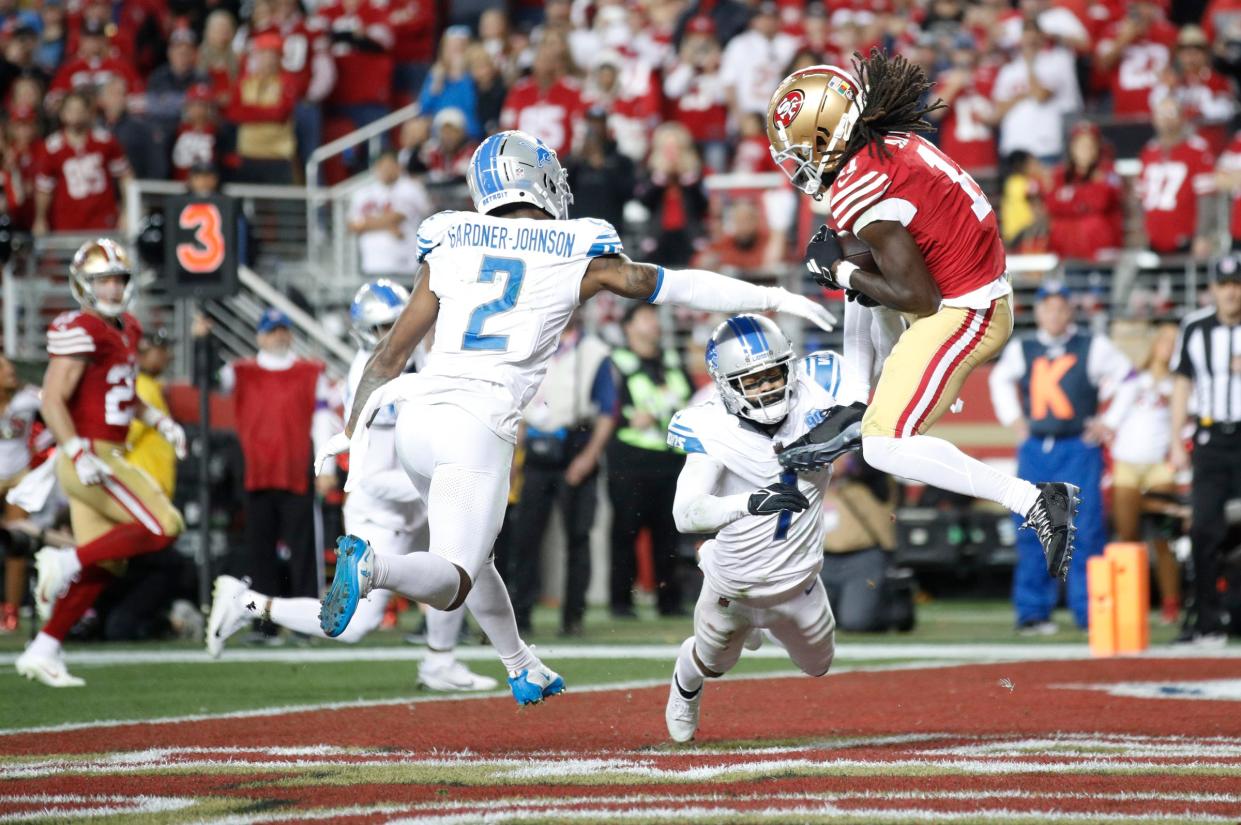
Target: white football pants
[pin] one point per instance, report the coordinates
(801, 621)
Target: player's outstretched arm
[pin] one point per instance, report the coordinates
(395, 348)
(695, 288)
(696, 508)
(906, 284)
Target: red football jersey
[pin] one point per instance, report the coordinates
(1086, 215)
(81, 180)
(103, 403)
(702, 107)
(93, 74)
(1169, 185)
(551, 115)
(413, 23)
(1139, 69)
(361, 76)
(192, 145)
(1230, 161)
(952, 221)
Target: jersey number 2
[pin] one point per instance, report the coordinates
(786, 516)
(514, 272)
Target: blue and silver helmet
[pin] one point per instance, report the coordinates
(741, 348)
(376, 305)
(516, 167)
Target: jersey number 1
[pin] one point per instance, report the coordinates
(514, 272)
(786, 516)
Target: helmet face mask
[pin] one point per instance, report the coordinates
(746, 353)
(375, 308)
(810, 119)
(513, 168)
(95, 261)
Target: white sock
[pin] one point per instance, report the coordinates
(489, 604)
(423, 577)
(941, 464)
(688, 676)
(443, 628)
(298, 615)
(44, 645)
(438, 659)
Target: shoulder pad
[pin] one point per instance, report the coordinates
(71, 333)
(681, 433)
(604, 240)
(824, 368)
(432, 230)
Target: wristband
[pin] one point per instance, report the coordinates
(74, 447)
(844, 271)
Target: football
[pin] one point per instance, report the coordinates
(857, 252)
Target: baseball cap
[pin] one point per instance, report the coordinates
(1191, 36)
(449, 116)
(158, 337)
(1227, 269)
(273, 318)
(1052, 289)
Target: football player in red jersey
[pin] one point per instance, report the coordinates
(851, 139)
(115, 509)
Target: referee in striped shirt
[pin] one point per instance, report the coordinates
(1207, 365)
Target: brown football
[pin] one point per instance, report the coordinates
(857, 252)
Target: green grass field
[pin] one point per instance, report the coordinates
(155, 689)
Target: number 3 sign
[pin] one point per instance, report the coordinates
(200, 241)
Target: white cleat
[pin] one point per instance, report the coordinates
(229, 613)
(453, 677)
(55, 570)
(50, 670)
(681, 714)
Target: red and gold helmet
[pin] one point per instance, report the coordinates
(809, 121)
(97, 259)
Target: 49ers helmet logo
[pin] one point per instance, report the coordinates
(788, 107)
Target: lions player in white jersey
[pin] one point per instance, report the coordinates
(762, 568)
(499, 285)
(385, 510)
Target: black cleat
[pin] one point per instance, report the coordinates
(1052, 519)
(838, 433)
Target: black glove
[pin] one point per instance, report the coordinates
(839, 432)
(824, 250)
(775, 498)
(861, 297)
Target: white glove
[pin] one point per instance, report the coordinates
(335, 445)
(174, 434)
(90, 468)
(803, 307)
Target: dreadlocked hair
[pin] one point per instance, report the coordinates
(895, 90)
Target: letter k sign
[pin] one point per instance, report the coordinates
(1046, 395)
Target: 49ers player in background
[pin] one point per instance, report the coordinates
(116, 510)
(850, 139)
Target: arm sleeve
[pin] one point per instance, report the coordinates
(1003, 384)
(1106, 366)
(603, 390)
(700, 289)
(696, 508)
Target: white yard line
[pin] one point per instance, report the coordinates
(409, 653)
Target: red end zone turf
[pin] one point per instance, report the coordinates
(1081, 741)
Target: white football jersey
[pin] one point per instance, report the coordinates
(506, 290)
(756, 557)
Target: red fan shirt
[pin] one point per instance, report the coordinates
(1230, 161)
(1086, 215)
(965, 135)
(944, 209)
(550, 114)
(81, 180)
(1139, 68)
(93, 75)
(102, 405)
(361, 76)
(1169, 185)
(192, 145)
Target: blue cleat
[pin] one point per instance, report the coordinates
(530, 688)
(352, 582)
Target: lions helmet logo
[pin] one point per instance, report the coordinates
(788, 107)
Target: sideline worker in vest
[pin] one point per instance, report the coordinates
(1047, 386)
(1207, 366)
(642, 468)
